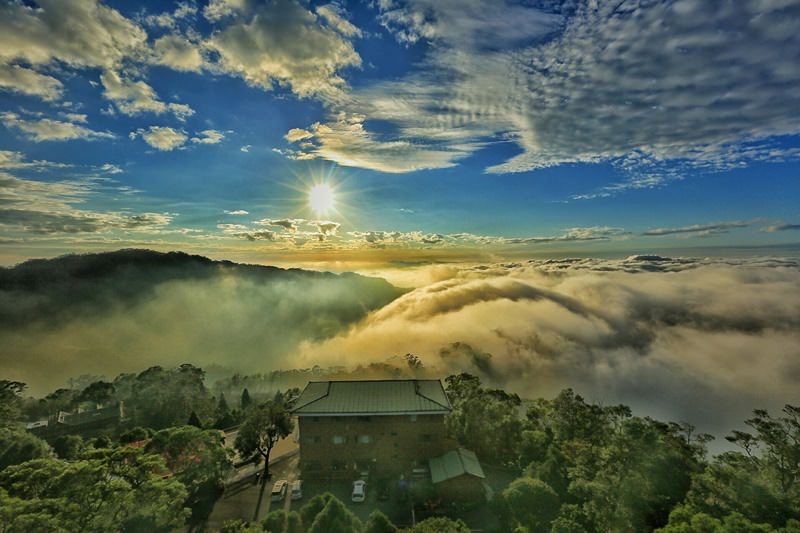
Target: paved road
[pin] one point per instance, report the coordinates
(247, 501)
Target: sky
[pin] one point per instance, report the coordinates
(357, 134)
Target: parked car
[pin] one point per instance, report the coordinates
(297, 489)
(279, 490)
(359, 491)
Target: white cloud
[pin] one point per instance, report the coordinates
(137, 97)
(178, 52)
(702, 230)
(280, 43)
(80, 33)
(161, 138)
(348, 143)
(26, 81)
(45, 129)
(209, 137)
(336, 18)
(168, 19)
(237, 212)
(245, 148)
(652, 332)
(682, 81)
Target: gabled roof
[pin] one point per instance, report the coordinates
(453, 464)
(378, 397)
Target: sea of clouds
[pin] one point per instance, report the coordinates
(698, 340)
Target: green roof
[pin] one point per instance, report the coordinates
(379, 397)
(453, 464)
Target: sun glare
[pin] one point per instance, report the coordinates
(321, 198)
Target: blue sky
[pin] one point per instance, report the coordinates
(447, 130)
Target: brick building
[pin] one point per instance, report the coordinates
(381, 427)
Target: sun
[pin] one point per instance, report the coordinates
(321, 198)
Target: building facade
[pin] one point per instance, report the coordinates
(385, 427)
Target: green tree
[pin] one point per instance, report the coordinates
(18, 446)
(239, 526)
(99, 392)
(314, 506)
(245, 402)
(440, 525)
(10, 401)
(198, 459)
(106, 490)
(335, 517)
(194, 420)
(135, 434)
(275, 522)
(264, 426)
(531, 504)
(379, 523)
(68, 447)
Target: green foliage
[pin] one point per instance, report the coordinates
(18, 446)
(68, 447)
(484, 420)
(379, 523)
(10, 401)
(197, 457)
(194, 420)
(160, 398)
(530, 504)
(106, 490)
(99, 392)
(239, 526)
(335, 517)
(135, 434)
(314, 506)
(245, 402)
(264, 426)
(280, 521)
(440, 525)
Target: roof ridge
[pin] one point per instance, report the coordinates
(416, 389)
(327, 391)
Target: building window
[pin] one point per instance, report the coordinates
(337, 466)
(412, 418)
(364, 418)
(427, 437)
(338, 439)
(364, 439)
(313, 466)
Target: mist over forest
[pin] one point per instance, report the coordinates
(700, 340)
(124, 311)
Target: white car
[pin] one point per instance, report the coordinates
(297, 489)
(279, 490)
(359, 491)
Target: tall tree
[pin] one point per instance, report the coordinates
(245, 402)
(264, 426)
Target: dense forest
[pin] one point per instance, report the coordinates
(577, 466)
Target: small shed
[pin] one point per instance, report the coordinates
(457, 475)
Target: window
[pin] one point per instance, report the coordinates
(364, 418)
(427, 437)
(338, 439)
(313, 466)
(364, 439)
(338, 465)
(412, 418)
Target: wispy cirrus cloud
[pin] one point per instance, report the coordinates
(47, 129)
(696, 230)
(574, 82)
